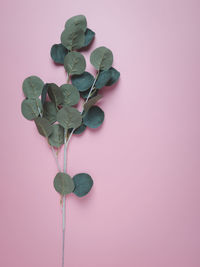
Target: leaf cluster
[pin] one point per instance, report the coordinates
(53, 108)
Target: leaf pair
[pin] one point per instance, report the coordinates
(59, 51)
(66, 94)
(80, 184)
(31, 107)
(76, 35)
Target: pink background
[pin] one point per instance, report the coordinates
(143, 210)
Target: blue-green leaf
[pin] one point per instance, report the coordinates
(83, 82)
(114, 76)
(103, 77)
(94, 117)
(89, 36)
(83, 183)
(58, 53)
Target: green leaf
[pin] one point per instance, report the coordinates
(56, 139)
(84, 94)
(30, 108)
(114, 76)
(72, 40)
(71, 95)
(89, 36)
(44, 93)
(63, 183)
(103, 77)
(55, 94)
(49, 111)
(94, 117)
(44, 127)
(83, 82)
(92, 101)
(69, 117)
(83, 183)
(74, 63)
(101, 58)
(58, 53)
(32, 87)
(75, 23)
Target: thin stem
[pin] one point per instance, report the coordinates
(90, 92)
(56, 158)
(63, 230)
(65, 151)
(66, 142)
(92, 88)
(64, 197)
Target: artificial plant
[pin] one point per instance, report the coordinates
(52, 107)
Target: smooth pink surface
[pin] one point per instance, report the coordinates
(143, 210)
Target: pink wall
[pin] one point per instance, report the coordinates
(143, 210)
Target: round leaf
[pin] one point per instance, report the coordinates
(83, 82)
(75, 23)
(114, 76)
(32, 87)
(69, 117)
(94, 117)
(58, 53)
(101, 58)
(49, 111)
(63, 183)
(55, 94)
(44, 127)
(103, 77)
(89, 36)
(71, 95)
(74, 63)
(83, 184)
(72, 39)
(31, 108)
(56, 139)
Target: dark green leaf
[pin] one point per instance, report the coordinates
(58, 53)
(75, 23)
(44, 93)
(89, 36)
(55, 94)
(92, 101)
(32, 87)
(79, 130)
(101, 58)
(74, 63)
(114, 76)
(72, 39)
(69, 117)
(83, 82)
(94, 117)
(31, 108)
(63, 183)
(56, 139)
(83, 183)
(84, 94)
(71, 94)
(44, 127)
(49, 111)
(103, 77)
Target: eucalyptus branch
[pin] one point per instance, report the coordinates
(60, 106)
